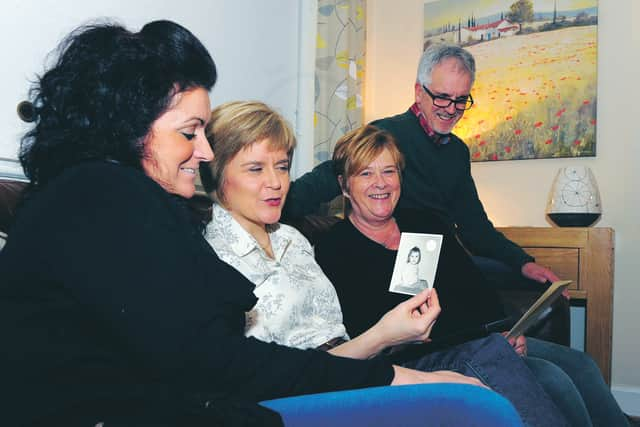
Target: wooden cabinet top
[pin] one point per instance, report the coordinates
(560, 237)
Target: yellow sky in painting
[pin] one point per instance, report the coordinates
(563, 4)
(440, 12)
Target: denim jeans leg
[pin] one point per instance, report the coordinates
(493, 361)
(561, 389)
(583, 371)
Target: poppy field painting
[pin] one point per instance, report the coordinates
(535, 89)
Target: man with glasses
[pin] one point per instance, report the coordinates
(437, 173)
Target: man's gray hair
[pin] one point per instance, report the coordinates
(436, 53)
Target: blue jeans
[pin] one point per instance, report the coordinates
(575, 383)
(493, 361)
(418, 405)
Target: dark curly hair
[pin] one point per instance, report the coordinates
(107, 87)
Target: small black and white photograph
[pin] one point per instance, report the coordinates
(416, 263)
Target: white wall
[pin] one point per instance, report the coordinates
(254, 45)
(515, 192)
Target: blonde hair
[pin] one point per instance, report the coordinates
(358, 148)
(235, 126)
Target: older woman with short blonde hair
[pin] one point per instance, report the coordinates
(359, 253)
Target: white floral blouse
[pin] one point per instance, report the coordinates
(297, 305)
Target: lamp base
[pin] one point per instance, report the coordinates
(573, 219)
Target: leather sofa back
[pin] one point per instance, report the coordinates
(10, 192)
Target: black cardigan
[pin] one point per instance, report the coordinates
(361, 269)
(113, 305)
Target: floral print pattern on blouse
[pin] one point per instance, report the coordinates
(297, 304)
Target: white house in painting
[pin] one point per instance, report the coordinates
(493, 30)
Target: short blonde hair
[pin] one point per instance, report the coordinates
(235, 126)
(358, 148)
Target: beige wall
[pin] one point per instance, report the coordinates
(515, 192)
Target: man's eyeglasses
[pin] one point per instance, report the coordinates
(461, 104)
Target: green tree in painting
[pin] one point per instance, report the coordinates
(520, 11)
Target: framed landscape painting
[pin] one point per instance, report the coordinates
(535, 89)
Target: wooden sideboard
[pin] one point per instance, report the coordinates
(584, 255)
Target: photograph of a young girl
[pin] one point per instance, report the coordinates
(416, 263)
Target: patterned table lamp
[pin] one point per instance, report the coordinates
(574, 200)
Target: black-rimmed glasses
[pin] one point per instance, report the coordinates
(461, 104)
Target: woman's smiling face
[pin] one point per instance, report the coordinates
(374, 191)
(177, 144)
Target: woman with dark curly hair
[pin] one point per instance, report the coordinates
(114, 310)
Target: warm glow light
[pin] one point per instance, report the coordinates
(498, 207)
(533, 97)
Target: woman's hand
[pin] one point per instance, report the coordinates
(411, 376)
(411, 320)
